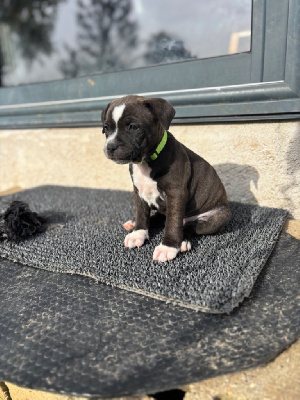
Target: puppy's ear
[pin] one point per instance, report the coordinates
(162, 110)
(103, 114)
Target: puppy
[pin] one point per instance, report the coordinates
(182, 187)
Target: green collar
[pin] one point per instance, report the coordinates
(160, 146)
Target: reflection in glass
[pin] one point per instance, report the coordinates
(44, 40)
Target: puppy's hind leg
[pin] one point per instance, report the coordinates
(129, 225)
(209, 222)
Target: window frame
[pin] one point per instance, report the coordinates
(261, 84)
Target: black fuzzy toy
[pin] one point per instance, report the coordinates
(18, 222)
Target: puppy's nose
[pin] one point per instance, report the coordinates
(111, 147)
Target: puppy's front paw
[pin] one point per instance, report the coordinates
(136, 238)
(164, 253)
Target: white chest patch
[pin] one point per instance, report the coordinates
(146, 186)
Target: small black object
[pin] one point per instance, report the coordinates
(19, 222)
(175, 394)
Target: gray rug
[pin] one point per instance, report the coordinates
(85, 236)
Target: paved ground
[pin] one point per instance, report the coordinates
(279, 380)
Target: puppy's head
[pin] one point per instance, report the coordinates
(133, 126)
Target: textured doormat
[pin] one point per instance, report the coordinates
(68, 334)
(86, 237)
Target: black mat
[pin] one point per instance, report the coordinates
(69, 334)
(86, 237)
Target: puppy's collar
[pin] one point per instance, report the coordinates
(159, 148)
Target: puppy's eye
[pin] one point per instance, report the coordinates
(133, 127)
(105, 128)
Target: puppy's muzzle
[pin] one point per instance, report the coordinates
(114, 152)
(110, 149)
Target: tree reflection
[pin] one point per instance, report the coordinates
(31, 23)
(108, 38)
(163, 48)
(106, 31)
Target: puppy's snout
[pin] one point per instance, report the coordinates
(111, 147)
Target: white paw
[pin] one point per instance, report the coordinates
(164, 253)
(136, 238)
(185, 246)
(129, 225)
